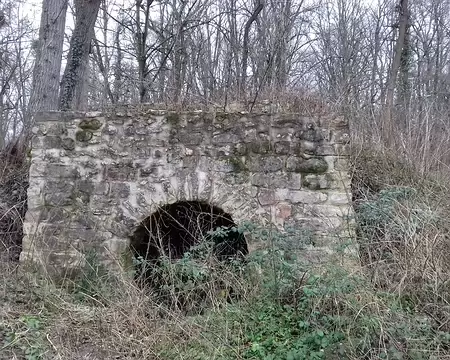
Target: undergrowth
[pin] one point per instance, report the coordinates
(273, 306)
(403, 231)
(285, 310)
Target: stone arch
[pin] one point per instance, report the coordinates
(92, 175)
(174, 228)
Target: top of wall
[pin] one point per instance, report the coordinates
(218, 115)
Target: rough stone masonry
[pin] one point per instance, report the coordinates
(94, 176)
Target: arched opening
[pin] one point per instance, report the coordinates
(174, 229)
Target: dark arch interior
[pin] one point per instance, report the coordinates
(174, 228)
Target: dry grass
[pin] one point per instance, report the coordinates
(105, 316)
(123, 323)
(404, 230)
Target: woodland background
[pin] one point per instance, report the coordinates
(384, 64)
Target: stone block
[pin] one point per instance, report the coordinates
(259, 147)
(267, 196)
(317, 182)
(287, 120)
(339, 198)
(228, 165)
(311, 134)
(120, 190)
(265, 163)
(283, 134)
(110, 129)
(306, 166)
(327, 211)
(309, 147)
(61, 186)
(57, 129)
(37, 143)
(52, 142)
(101, 188)
(121, 171)
(54, 171)
(45, 116)
(306, 197)
(326, 149)
(85, 186)
(283, 211)
(282, 147)
(149, 171)
(240, 149)
(190, 138)
(228, 137)
(277, 180)
(68, 144)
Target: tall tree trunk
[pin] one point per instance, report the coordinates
(258, 8)
(72, 94)
(387, 127)
(118, 69)
(141, 44)
(46, 75)
(404, 86)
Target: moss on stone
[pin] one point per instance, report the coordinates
(237, 164)
(173, 118)
(309, 166)
(221, 116)
(90, 124)
(84, 135)
(260, 147)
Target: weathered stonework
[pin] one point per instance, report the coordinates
(93, 176)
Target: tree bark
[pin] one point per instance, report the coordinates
(118, 68)
(72, 94)
(46, 75)
(141, 45)
(387, 127)
(256, 11)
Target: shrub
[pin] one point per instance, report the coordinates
(403, 231)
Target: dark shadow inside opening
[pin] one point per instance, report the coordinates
(175, 228)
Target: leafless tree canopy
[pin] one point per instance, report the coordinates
(384, 64)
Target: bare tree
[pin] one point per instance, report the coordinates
(46, 75)
(395, 66)
(72, 91)
(258, 8)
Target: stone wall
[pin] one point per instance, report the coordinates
(93, 176)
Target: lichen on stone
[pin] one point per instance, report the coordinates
(237, 163)
(90, 124)
(83, 135)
